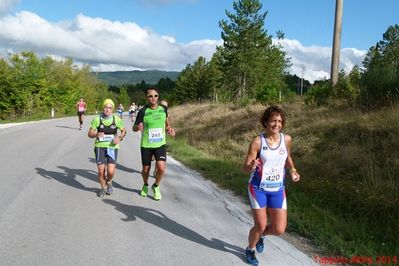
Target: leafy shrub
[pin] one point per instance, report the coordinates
(267, 94)
(318, 94)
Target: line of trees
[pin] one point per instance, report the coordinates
(128, 93)
(30, 86)
(248, 67)
(376, 84)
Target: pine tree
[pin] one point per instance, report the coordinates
(249, 59)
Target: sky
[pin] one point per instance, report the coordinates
(169, 34)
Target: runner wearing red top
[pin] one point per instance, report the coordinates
(81, 107)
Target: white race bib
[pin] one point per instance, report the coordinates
(155, 135)
(107, 138)
(272, 180)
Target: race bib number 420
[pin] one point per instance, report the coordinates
(155, 135)
(272, 180)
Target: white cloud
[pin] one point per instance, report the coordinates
(112, 45)
(111, 67)
(7, 5)
(99, 41)
(314, 62)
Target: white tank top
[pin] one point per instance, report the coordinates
(270, 175)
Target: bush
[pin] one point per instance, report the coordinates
(267, 94)
(318, 94)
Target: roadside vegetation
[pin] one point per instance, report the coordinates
(347, 200)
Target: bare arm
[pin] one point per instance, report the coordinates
(251, 161)
(121, 136)
(138, 127)
(169, 128)
(92, 133)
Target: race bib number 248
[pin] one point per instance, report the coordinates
(155, 135)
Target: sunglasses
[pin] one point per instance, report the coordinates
(152, 96)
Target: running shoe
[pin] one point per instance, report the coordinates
(101, 193)
(144, 191)
(251, 258)
(110, 188)
(157, 192)
(260, 245)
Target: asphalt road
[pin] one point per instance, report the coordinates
(50, 214)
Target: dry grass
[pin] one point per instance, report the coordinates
(221, 130)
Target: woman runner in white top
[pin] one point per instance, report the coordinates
(268, 157)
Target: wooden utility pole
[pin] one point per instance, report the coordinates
(303, 68)
(336, 42)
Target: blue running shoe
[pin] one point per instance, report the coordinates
(251, 258)
(260, 245)
(110, 188)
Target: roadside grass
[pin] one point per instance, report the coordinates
(25, 119)
(34, 117)
(221, 171)
(347, 201)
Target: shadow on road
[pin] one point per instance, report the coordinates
(74, 128)
(126, 169)
(120, 167)
(159, 219)
(68, 177)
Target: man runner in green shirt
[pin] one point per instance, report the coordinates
(153, 121)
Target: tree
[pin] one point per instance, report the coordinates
(249, 59)
(6, 89)
(381, 74)
(216, 78)
(166, 86)
(123, 97)
(32, 86)
(194, 83)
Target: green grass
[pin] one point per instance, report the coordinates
(35, 117)
(224, 172)
(347, 201)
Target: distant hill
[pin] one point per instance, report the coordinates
(136, 76)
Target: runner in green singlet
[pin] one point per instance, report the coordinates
(153, 121)
(105, 129)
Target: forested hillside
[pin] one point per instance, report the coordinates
(118, 78)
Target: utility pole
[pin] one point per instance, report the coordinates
(336, 42)
(303, 68)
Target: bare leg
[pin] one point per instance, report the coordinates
(160, 166)
(101, 175)
(145, 173)
(260, 220)
(110, 172)
(278, 222)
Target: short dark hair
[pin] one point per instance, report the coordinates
(270, 112)
(151, 88)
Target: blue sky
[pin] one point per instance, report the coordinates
(169, 34)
